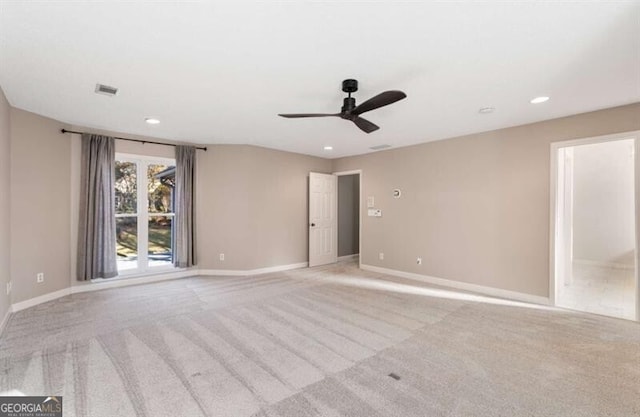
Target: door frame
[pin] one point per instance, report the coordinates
(359, 173)
(554, 200)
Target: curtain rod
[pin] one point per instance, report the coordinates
(135, 140)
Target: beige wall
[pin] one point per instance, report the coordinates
(5, 207)
(348, 214)
(252, 206)
(129, 147)
(475, 208)
(40, 204)
(251, 203)
(603, 207)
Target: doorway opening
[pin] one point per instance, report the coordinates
(348, 216)
(594, 251)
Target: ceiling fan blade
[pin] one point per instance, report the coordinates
(364, 124)
(293, 116)
(382, 99)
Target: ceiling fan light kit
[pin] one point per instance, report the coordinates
(352, 112)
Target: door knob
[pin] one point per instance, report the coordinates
(313, 225)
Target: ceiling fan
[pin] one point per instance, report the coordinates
(352, 112)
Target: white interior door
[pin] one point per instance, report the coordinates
(323, 219)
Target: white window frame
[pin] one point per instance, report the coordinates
(143, 215)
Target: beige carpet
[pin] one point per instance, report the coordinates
(318, 342)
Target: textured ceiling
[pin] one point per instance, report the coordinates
(219, 72)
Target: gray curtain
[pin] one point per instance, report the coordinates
(97, 227)
(184, 255)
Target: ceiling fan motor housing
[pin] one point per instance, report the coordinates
(350, 86)
(348, 105)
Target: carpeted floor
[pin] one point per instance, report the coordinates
(318, 342)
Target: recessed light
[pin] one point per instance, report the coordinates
(152, 121)
(328, 148)
(539, 100)
(485, 110)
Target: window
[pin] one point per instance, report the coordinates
(144, 191)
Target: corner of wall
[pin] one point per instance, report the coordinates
(5, 209)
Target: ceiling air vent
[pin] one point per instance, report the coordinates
(106, 90)
(378, 147)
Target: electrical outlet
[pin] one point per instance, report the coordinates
(222, 256)
(381, 256)
(9, 285)
(40, 277)
(419, 261)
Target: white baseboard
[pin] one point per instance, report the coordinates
(248, 272)
(601, 264)
(5, 319)
(15, 307)
(96, 286)
(481, 289)
(125, 282)
(348, 257)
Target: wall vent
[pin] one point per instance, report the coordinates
(378, 147)
(106, 90)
